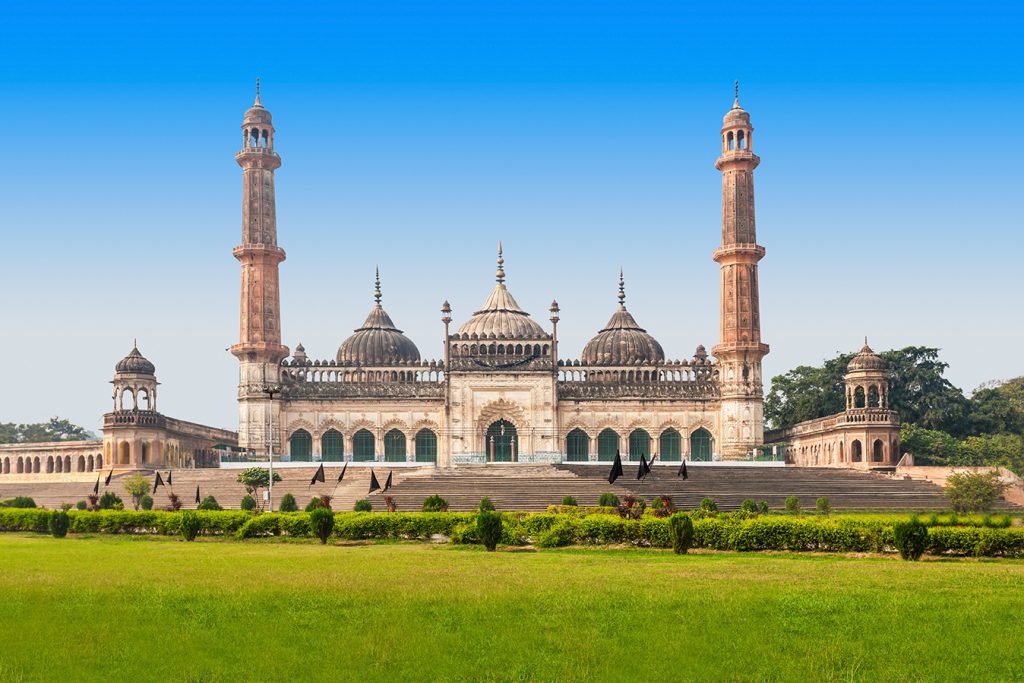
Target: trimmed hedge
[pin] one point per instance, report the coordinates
(721, 532)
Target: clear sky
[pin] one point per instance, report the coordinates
(583, 135)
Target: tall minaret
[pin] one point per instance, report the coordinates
(259, 348)
(740, 350)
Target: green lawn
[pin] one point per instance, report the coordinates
(119, 608)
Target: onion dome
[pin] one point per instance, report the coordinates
(135, 363)
(866, 359)
(378, 341)
(256, 113)
(501, 317)
(701, 354)
(622, 341)
(300, 353)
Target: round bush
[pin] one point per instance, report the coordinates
(762, 507)
(911, 538)
(569, 501)
(363, 506)
(823, 505)
(248, 503)
(708, 505)
(321, 523)
(288, 504)
(681, 527)
(189, 525)
(108, 500)
(485, 504)
(81, 505)
(435, 503)
(748, 505)
(792, 504)
(608, 499)
(209, 503)
(59, 523)
(146, 502)
(488, 525)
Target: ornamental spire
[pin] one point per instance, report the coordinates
(622, 289)
(376, 285)
(500, 275)
(736, 102)
(258, 103)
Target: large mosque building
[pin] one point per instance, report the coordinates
(504, 390)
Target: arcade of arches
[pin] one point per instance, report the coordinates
(670, 444)
(394, 445)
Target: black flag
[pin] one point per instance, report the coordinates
(342, 475)
(158, 483)
(96, 488)
(318, 476)
(644, 468)
(616, 469)
(197, 495)
(169, 473)
(682, 470)
(374, 484)
(106, 482)
(387, 484)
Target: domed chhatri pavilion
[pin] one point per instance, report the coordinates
(504, 390)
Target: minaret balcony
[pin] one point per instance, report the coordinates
(257, 150)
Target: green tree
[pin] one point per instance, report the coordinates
(998, 408)
(254, 479)
(973, 491)
(57, 429)
(137, 486)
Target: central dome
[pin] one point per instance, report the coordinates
(622, 341)
(378, 341)
(501, 317)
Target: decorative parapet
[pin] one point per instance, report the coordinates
(134, 418)
(672, 380)
(855, 416)
(331, 379)
(370, 390)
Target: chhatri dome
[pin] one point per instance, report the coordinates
(622, 341)
(736, 115)
(256, 113)
(500, 317)
(378, 341)
(866, 359)
(135, 363)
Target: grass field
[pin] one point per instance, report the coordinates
(121, 608)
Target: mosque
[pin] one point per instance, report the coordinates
(504, 390)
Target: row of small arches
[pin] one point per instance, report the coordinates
(364, 446)
(636, 376)
(638, 442)
(50, 464)
(256, 138)
(741, 140)
(501, 349)
(305, 375)
(835, 453)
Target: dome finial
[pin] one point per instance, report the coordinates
(500, 275)
(622, 289)
(736, 101)
(135, 342)
(376, 285)
(258, 103)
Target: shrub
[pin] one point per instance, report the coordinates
(92, 502)
(146, 502)
(488, 525)
(81, 505)
(18, 502)
(313, 504)
(792, 505)
(321, 523)
(663, 506)
(256, 478)
(391, 504)
(748, 505)
(248, 503)
(108, 500)
(823, 505)
(632, 507)
(681, 528)
(363, 506)
(608, 499)
(189, 525)
(974, 491)
(569, 501)
(911, 538)
(209, 503)
(65, 506)
(486, 504)
(435, 503)
(137, 486)
(708, 505)
(175, 501)
(762, 507)
(59, 523)
(559, 534)
(288, 504)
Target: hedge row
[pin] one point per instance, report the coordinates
(548, 530)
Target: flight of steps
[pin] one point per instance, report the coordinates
(533, 487)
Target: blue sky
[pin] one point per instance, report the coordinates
(414, 136)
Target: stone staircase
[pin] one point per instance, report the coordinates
(534, 487)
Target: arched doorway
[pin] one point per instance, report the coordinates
(332, 446)
(502, 442)
(300, 446)
(394, 446)
(426, 446)
(363, 447)
(639, 444)
(700, 445)
(855, 451)
(878, 451)
(577, 446)
(607, 444)
(670, 445)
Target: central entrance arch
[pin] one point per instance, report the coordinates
(700, 445)
(502, 442)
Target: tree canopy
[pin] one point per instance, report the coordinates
(57, 429)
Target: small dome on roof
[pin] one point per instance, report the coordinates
(135, 363)
(736, 115)
(501, 317)
(622, 341)
(378, 341)
(866, 359)
(256, 113)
